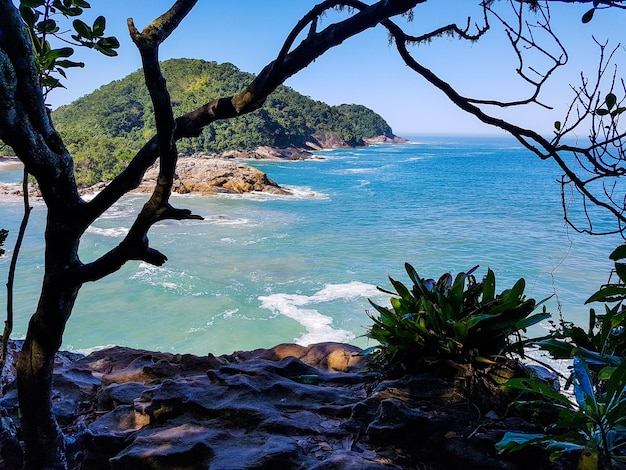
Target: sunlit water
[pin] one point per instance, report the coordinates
(261, 270)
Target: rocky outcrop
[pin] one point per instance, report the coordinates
(198, 175)
(289, 407)
(268, 153)
(385, 139)
(212, 174)
(205, 175)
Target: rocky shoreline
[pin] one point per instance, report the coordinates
(198, 174)
(213, 174)
(288, 407)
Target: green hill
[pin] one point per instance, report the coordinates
(104, 129)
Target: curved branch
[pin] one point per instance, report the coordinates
(136, 245)
(528, 138)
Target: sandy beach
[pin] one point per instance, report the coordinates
(10, 163)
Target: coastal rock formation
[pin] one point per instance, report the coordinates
(289, 407)
(384, 139)
(198, 175)
(268, 153)
(205, 175)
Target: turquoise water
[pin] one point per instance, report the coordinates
(261, 270)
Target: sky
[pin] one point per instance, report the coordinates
(364, 69)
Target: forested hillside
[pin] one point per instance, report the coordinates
(104, 129)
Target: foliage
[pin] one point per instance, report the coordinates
(40, 18)
(104, 129)
(594, 424)
(3, 237)
(459, 319)
(604, 343)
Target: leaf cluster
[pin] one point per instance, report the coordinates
(458, 319)
(595, 423)
(611, 107)
(603, 344)
(43, 19)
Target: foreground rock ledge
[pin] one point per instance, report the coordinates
(289, 407)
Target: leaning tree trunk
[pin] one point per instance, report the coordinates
(43, 439)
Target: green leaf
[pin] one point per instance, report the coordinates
(557, 125)
(413, 274)
(62, 52)
(587, 17)
(72, 11)
(51, 82)
(532, 320)
(31, 3)
(618, 253)
(29, 15)
(518, 289)
(538, 386)
(401, 289)
(617, 382)
(82, 29)
(47, 26)
(606, 372)
(607, 294)
(512, 441)
(602, 112)
(489, 289)
(69, 63)
(98, 26)
(620, 270)
(610, 101)
(81, 3)
(558, 349)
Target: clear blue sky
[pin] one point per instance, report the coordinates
(365, 69)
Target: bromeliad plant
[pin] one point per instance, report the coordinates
(604, 343)
(594, 425)
(457, 319)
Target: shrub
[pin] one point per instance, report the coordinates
(457, 319)
(595, 423)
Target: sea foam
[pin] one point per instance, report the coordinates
(318, 326)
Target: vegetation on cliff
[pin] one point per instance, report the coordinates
(105, 129)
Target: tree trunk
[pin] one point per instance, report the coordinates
(43, 439)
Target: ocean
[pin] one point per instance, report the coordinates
(261, 270)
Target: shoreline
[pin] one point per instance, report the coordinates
(238, 178)
(10, 163)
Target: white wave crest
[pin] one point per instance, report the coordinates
(318, 327)
(115, 232)
(167, 279)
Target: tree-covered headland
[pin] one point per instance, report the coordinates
(105, 129)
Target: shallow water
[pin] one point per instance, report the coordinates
(265, 269)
